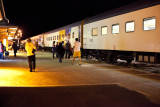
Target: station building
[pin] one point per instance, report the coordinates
(7, 30)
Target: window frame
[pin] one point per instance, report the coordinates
(101, 30)
(97, 31)
(148, 19)
(112, 28)
(126, 26)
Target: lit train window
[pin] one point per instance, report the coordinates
(57, 37)
(95, 32)
(62, 36)
(149, 23)
(130, 26)
(51, 38)
(104, 30)
(73, 35)
(115, 28)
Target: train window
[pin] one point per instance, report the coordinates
(149, 23)
(115, 28)
(59, 36)
(62, 36)
(55, 38)
(95, 32)
(51, 38)
(130, 26)
(73, 35)
(104, 30)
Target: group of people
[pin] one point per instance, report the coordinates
(3, 49)
(59, 49)
(66, 49)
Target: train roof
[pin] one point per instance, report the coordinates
(141, 4)
(65, 27)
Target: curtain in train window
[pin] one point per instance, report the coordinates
(104, 30)
(95, 32)
(115, 29)
(129, 26)
(149, 23)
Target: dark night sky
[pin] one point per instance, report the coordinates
(44, 15)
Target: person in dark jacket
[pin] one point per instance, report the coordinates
(68, 48)
(14, 46)
(54, 48)
(60, 50)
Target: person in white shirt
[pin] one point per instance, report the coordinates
(77, 51)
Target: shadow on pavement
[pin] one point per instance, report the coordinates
(73, 96)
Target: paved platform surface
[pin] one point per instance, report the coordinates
(92, 84)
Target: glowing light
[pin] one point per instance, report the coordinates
(7, 76)
(10, 38)
(4, 42)
(19, 31)
(13, 28)
(12, 32)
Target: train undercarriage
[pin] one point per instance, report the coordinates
(112, 56)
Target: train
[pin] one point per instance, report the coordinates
(131, 32)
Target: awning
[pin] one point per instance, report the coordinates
(8, 30)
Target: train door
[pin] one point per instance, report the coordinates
(79, 33)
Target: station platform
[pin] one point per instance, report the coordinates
(92, 84)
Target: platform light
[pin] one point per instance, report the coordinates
(19, 31)
(10, 38)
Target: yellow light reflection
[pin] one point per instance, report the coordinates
(7, 76)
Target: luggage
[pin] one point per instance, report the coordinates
(7, 54)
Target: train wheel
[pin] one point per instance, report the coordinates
(129, 61)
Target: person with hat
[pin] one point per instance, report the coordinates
(30, 48)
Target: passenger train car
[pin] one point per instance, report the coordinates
(127, 33)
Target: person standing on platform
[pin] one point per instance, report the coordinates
(54, 48)
(1, 50)
(30, 48)
(68, 47)
(14, 46)
(60, 50)
(77, 51)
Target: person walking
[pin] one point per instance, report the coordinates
(67, 47)
(60, 50)
(14, 46)
(30, 48)
(77, 51)
(1, 50)
(54, 48)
